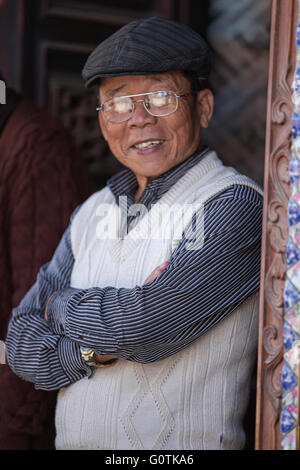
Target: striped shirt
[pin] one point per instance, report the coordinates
(197, 290)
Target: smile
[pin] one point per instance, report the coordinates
(148, 144)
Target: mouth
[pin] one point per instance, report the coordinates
(147, 145)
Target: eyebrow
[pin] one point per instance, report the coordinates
(111, 93)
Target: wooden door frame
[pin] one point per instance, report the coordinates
(275, 222)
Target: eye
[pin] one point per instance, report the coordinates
(119, 105)
(159, 99)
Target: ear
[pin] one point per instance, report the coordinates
(205, 106)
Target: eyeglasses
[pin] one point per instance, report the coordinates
(157, 103)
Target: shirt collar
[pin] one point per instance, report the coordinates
(124, 182)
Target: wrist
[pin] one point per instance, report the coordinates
(94, 360)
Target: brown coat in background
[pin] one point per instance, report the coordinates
(42, 180)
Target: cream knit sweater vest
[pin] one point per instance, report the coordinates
(195, 399)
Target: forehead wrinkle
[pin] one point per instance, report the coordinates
(167, 77)
(111, 93)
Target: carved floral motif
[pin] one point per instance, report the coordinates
(277, 190)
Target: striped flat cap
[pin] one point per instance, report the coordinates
(147, 46)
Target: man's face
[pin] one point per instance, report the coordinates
(176, 136)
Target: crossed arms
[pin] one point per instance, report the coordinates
(146, 323)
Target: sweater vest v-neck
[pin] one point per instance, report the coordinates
(195, 399)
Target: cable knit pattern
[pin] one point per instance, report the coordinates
(195, 399)
(42, 180)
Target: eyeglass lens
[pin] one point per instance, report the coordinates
(120, 108)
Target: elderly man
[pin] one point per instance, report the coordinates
(146, 316)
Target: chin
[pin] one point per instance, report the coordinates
(155, 167)
(152, 171)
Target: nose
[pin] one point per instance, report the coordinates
(140, 116)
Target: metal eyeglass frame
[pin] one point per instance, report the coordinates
(101, 108)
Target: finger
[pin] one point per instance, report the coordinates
(156, 272)
(47, 306)
(159, 269)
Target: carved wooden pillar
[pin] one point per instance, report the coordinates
(275, 225)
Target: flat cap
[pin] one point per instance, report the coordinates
(148, 46)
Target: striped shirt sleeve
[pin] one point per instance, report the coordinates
(34, 352)
(150, 322)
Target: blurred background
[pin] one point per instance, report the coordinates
(44, 45)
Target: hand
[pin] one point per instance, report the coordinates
(156, 272)
(102, 359)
